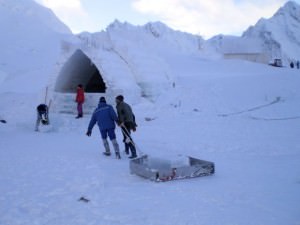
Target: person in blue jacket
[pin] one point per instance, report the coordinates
(106, 118)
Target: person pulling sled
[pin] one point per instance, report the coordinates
(127, 123)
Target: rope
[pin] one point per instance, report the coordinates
(127, 135)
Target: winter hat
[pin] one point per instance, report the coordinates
(102, 99)
(120, 98)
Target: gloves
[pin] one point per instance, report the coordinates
(45, 122)
(89, 133)
(133, 126)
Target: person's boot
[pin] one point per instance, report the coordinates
(132, 157)
(118, 156)
(79, 116)
(133, 151)
(36, 127)
(116, 147)
(126, 149)
(106, 147)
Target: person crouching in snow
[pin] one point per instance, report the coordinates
(105, 117)
(80, 100)
(42, 116)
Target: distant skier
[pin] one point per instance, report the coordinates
(42, 116)
(80, 100)
(298, 64)
(127, 123)
(106, 117)
(292, 65)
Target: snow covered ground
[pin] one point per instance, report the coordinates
(244, 117)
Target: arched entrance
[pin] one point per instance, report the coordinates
(79, 69)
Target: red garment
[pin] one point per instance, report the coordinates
(80, 95)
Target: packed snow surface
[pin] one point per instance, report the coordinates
(244, 117)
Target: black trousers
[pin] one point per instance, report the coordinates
(129, 144)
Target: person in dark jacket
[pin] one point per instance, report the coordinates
(127, 123)
(42, 116)
(292, 65)
(80, 100)
(106, 117)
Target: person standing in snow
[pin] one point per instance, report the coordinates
(42, 116)
(80, 100)
(106, 117)
(298, 64)
(127, 123)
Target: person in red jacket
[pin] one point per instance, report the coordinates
(79, 100)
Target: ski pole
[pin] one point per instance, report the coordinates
(46, 95)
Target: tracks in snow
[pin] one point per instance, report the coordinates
(277, 100)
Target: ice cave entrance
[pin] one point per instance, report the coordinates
(79, 69)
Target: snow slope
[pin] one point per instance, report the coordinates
(28, 31)
(134, 49)
(280, 34)
(222, 114)
(128, 53)
(242, 116)
(275, 37)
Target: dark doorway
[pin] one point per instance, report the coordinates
(79, 69)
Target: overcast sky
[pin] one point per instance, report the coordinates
(203, 17)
